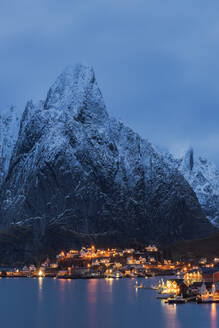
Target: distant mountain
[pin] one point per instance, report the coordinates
(203, 177)
(76, 167)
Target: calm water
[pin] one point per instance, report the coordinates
(40, 303)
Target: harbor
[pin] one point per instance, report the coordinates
(178, 282)
(182, 291)
(96, 303)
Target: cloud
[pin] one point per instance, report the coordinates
(156, 61)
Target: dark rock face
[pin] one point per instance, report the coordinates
(75, 166)
(9, 127)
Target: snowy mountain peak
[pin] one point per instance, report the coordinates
(203, 176)
(75, 167)
(9, 127)
(76, 90)
(29, 110)
(188, 160)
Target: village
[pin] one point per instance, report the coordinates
(191, 280)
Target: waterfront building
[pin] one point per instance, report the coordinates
(151, 248)
(192, 276)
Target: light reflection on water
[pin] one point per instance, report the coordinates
(170, 315)
(98, 292)
(92, 291)
(40, 281)
(92, 300)
(60, 303)
(214, 315)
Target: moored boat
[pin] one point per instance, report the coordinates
(177, 300)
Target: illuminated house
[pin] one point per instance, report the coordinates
(60, 255)
(174, 286)
(53, 265)
(151, 248)
(32, 267)
(215, 289)
(192, 276)
(130, 260)
(208, 292)
(203, 260)
(216, 260)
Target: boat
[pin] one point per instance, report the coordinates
(163, 296)
(159, 287)
(176, 300)
(141, 286)
(117, 275)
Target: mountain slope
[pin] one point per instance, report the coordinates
(203, 177)
(74, 165)
(9, 127)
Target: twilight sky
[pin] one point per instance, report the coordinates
(156, 62)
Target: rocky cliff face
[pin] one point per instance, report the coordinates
(203, 177)
(75, 166)
(9, 127)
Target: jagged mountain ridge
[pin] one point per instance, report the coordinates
(9, 127)
(203, 177)
(74, 165)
